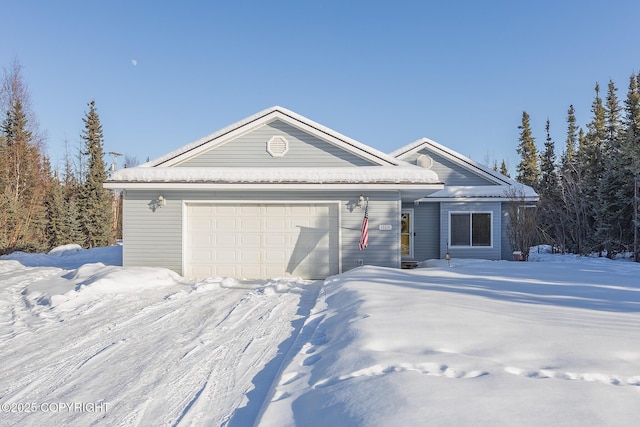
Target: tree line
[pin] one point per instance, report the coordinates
(589, 197)
(41, 208)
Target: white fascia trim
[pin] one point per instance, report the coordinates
(267, 186)
(336, 138)
(209, 142)
(472, 199)
(234, 130)
(454, 156)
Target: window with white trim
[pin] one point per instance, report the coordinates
(470, 228)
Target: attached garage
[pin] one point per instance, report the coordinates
(274, 195)
(257, 240)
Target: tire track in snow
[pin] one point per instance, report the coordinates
(168, 356)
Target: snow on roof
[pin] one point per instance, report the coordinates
(265, 116)
(318, 175)
(483, 191)
(469, 163)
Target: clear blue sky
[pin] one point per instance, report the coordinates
(164, 73)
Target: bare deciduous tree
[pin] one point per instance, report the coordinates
(522, 229)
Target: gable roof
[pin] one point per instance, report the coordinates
(467, 193)
(386, 172)
(266, 116)
(464, 161)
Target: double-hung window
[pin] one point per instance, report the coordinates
(470, 228)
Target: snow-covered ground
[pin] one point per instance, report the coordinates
(555, 341)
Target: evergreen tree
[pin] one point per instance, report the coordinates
(575, 211)
(528, 171)
(54, 202)
(568, 156)
(549, 191)
(608, 209)
(504, 170)
(95, 203)
(22, 184)
(629, 164)
(591, 168)
(71, 185)
(549, 176)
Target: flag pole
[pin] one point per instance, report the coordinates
(364, 230)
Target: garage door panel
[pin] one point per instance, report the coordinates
(250, 240)
(201, 223)
(275, 239)
(250, 257)
(203, 256)
(277, 256)
(280, 210)
(303, 210)
(262, 240)
(224, 210)
(202, 240)
(225, 223)
(250, 210)
(248, 224)
(276, 224)
(226, 239)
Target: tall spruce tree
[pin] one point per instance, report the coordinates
(504, 170)
(590, 165)
(569, 153)
(608, 209)
(71, 185)
(528, 172)
(95, 203)
(54, 202)
(549, 176)
(574, 222)
(629, 163)
(549, 191)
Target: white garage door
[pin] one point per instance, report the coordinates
(261, 240)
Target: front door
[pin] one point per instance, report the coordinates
(406, 233)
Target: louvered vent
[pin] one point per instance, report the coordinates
(277, 146)
(424, 161)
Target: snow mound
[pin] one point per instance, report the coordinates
(65, 250)
(68, 257)
(93, 281)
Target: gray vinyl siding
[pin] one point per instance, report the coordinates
(151, 238)
(494, 252)
(449, 172)
(156, 238)
(384, 245)
(426, 226)
(250, 150)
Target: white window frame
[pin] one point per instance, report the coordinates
(471, 213)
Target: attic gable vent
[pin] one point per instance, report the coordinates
(277, 146)
(424, 161)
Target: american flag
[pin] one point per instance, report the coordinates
(364, 231)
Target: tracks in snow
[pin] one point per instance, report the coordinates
(169, 356)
